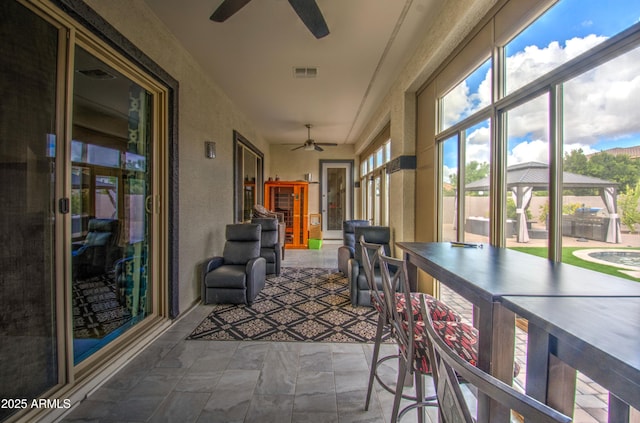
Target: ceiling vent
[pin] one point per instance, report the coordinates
(305, 72)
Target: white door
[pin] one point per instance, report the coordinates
(337, 197)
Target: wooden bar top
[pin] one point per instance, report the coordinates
(491, 272)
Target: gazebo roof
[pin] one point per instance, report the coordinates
(536, 175)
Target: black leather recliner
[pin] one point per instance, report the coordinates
(99, 251)
(346, 251)
(359, 287)
(270, 248)
(239, 275)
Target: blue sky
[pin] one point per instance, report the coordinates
(601, 107)
(579, 18)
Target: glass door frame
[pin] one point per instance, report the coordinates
(348, 165)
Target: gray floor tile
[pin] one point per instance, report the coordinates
(199, 382)
(183, 407)
(270, 409)
(315, 402)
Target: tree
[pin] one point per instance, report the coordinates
(576, 162)
(628, 207)
(619, 168)
(473, 171)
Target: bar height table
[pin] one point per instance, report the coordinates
(484, 275)
(600, 337)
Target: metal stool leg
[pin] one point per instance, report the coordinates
(374, 359)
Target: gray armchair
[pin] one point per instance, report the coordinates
(269, 246)
(239, 275)
(359, 287)
(346, 251)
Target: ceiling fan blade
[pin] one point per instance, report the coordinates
(318, 148)
(327, 144)
(227, 9)
(297, 148)
(311, 16)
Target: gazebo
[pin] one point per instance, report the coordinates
(524, 178)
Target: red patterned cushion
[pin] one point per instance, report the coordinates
(439, 310)
(460, 337)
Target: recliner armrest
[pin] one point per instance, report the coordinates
(344, 254)
(254, 264)
(353, 273)
(211, 264)
(256, 274)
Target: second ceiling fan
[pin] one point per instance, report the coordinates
(307, 10)
(311, 145)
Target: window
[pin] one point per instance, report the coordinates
(468, 97)
(566, 121)
(249, 177)
(375, 183)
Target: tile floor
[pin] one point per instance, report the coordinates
(175, 380)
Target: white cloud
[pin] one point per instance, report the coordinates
(529, 151)
(600, 106)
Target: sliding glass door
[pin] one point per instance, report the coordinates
(111, 207)
(83, 188)
(29, 160)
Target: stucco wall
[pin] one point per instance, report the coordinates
(206, 113)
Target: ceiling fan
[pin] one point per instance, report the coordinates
(307, 10)
(311, 145)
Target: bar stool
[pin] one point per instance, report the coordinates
(407, 328)
(449, 368)
(439, 311)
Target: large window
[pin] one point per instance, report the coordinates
(562, 126)
(374, 181)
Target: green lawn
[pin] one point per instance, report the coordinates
(568, 257)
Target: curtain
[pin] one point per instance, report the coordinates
(522, 198)
(613, 229)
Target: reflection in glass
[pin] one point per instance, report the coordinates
(111, 182)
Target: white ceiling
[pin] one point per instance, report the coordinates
(251, 57)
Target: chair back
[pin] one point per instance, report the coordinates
(261, 211)
(380, 235)
(447, 369)
(370, 256)
(269, 232)
(243, 243)
(397, 296)
(348, 231)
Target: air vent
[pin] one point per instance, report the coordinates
(305, 72)
(96, 74)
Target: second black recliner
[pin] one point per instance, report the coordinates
(358, 285)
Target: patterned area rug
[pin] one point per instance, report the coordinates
(302, 304)
(96, 309)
